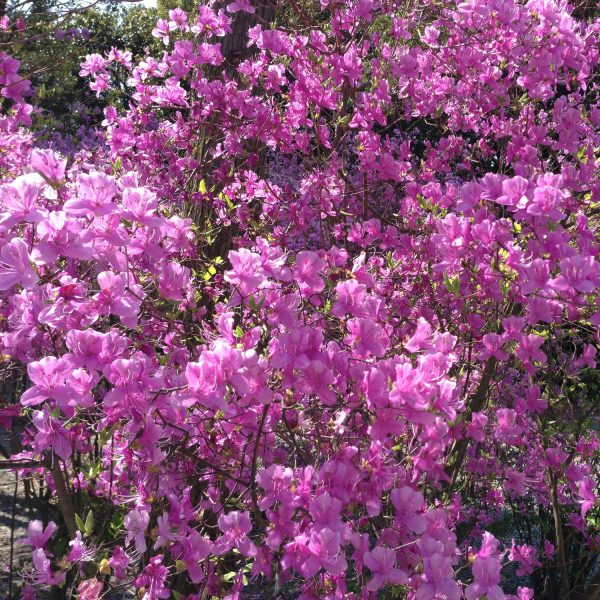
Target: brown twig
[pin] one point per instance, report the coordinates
(65, 502)
(254, 468)
(21, 464)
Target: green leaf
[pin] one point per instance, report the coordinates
(209, 273)
(227, 200)
(343, 121)
(452, 284)
(94, 470)
(80, 523)
(202, 187)
(107, 433)
(89, 523)
(116, 524)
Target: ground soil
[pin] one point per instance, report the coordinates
(14, 557)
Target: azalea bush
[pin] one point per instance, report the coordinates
(318, 316)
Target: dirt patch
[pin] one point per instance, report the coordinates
(14, 517)
(13, 527)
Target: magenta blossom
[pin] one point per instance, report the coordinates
(382, 563)
(48, 165)
(486, 572)
(235, 527)
(43, 573)
(37, 535)
(90, 589)
(136, 523)
(15, 265)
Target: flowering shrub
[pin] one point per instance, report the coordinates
(320, 314)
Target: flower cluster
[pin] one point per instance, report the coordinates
(319, 313)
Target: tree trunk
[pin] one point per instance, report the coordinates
(234, 48)
(235, 44)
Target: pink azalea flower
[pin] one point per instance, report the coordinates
(326, 512)
(93, 64)
(119, 562)
(308, 265)
(235, 526)
(136, 523)
(382, 564)
(153, 579)
(528, 349)
(162, 30)
(178, 19)
(422, 338)
(476, 428)
(587, 358)
(20, 199)
(351, 296)
(206, 382)
(508, 430)
(515, 482)
(409, 505)
(174, 280)
(548, 199)
(525, 555)
(90, 589)
(79, 551)
(486, 572)
(140, 206)
(37, 535)
(438, 579)
(15, 265)
(95, 193)
(493, 343)
(368, 337)
(43, 573)
(580, 273)
(325, 553)
(535, 276)
(115, 299)
(49, 377)
(51, 434)
(48, 165)
(247, 271)
(276, 481)
(587, 494)
(195, 549)
(240, 5)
